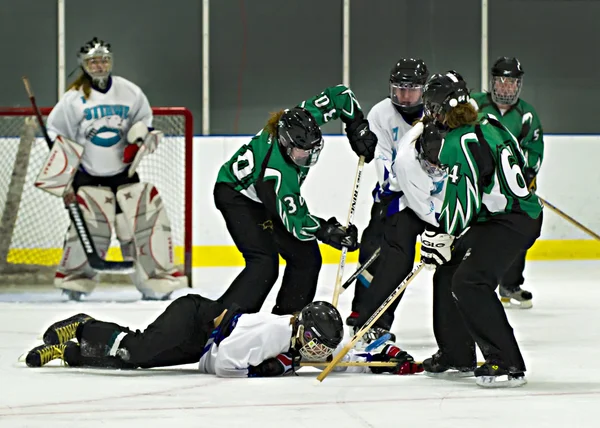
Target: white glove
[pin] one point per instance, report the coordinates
(436, 248)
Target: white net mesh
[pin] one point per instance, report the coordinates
(33, 223)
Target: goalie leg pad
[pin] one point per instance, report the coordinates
(98, 209)
(146, 217)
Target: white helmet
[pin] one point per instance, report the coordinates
(96, 60)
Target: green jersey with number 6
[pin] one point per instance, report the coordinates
(523, 122)
(261, 171)
(485, 176)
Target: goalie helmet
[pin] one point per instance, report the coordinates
(300, 136)
(319, 331)
(443, 92)
(96, 60)
(406, 84)
(506, 81)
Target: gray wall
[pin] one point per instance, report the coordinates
(270, 54)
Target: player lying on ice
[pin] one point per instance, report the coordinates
(194, 329)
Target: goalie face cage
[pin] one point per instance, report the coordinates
(33, 223)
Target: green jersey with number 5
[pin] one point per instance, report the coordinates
(523, 122)
(485, 176)
(261, 171)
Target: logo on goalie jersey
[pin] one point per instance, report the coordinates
(106, 132)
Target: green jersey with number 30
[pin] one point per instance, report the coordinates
(485, 176)
(523, 122)
(261, 171)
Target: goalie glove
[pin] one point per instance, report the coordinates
(405, 363)
(281, 365)
(436, 248)
(334, 234)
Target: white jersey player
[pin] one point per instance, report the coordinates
(194, 329)
(389, 119)
(105, 120)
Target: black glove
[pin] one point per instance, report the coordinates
(529, 176)
(391, 353)
(362, 140)
(280, 365)
(334, 234)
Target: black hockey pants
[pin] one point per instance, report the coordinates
(397, 258)
(261, 239)
(177, 336)
(466, 309)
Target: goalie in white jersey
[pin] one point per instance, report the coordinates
(390, 120)
(194, 329)
(106, 121)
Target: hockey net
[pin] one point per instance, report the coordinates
(33, 223)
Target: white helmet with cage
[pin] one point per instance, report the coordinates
(96, 60)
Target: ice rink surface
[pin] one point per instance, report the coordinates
(559, 337)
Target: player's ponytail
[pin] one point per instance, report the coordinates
(462, 114)
(82, 81)
(272, 123)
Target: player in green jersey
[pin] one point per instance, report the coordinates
(258, 194)
(520, 118)
(488, 217)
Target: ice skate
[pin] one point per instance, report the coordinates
(374, 338)
(493, 376)
(43, 354)
(517, 298)
(62, 331)
(438, 367)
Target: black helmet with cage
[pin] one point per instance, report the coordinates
(406, 84)
(443, 92)
(506, 81)
(319, 331)
(428, 147)
(299, 136)
(96, 60)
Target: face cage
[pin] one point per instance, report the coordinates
(406, 87)
(305, 158)
(315, 351)
(98, 76)
(506, 99)
(431, 169)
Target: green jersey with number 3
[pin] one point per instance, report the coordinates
(523, 122)
(485, 176)
(261, 171)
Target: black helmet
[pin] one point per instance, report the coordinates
(319, 331)
(406, 76)
(443, 92)
(428, 146)
(300, 136)
(506, 81)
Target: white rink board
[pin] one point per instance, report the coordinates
(565, 180)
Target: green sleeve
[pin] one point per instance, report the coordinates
(335, 102)
(462, 200)
(279, 191)
(533, 143)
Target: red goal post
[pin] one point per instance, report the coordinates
(33, 223)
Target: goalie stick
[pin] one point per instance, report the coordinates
(96, 262)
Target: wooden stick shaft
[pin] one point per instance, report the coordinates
(386, 304)
(36, 110)
(340, 273)
(569, 219)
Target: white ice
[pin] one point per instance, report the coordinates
(559, 337)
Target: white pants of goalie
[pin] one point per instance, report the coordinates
(144, 233)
